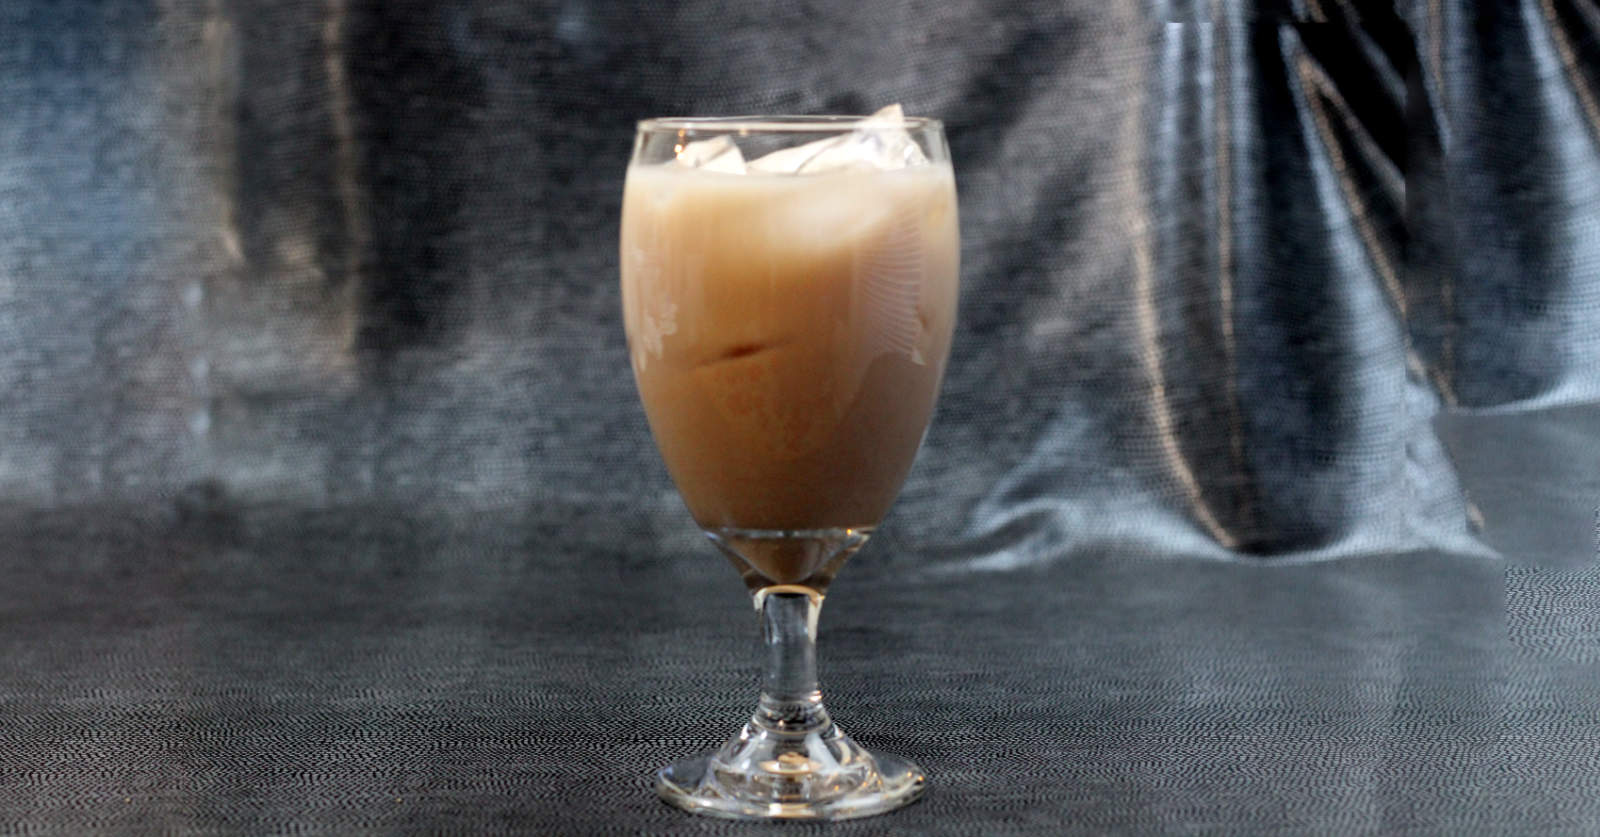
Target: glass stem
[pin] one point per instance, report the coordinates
(791, 702)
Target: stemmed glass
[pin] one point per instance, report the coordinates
(789, 292)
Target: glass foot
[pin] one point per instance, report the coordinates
(765, 774)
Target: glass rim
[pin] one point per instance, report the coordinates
(777, 123)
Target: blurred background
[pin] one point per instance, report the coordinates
(1224, 264)
(327, 502)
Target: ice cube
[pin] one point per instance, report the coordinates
(715, 154)
(889, 149)
(879, 142)
(792, 160)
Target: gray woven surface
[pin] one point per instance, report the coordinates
(371, 670)
(1261, 495)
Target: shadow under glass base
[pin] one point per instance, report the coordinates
(765, 774)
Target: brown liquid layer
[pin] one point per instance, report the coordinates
(788, 335)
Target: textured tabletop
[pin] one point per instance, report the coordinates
(217, 671)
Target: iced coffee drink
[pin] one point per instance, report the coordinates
(789, 292)
(789, 320)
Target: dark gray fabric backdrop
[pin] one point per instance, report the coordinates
(1262, 494)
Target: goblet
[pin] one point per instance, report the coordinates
(789, 292)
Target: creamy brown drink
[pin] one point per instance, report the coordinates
(788, 333)
(789, 290)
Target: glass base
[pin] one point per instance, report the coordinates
(802, 557)
(765, 774)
